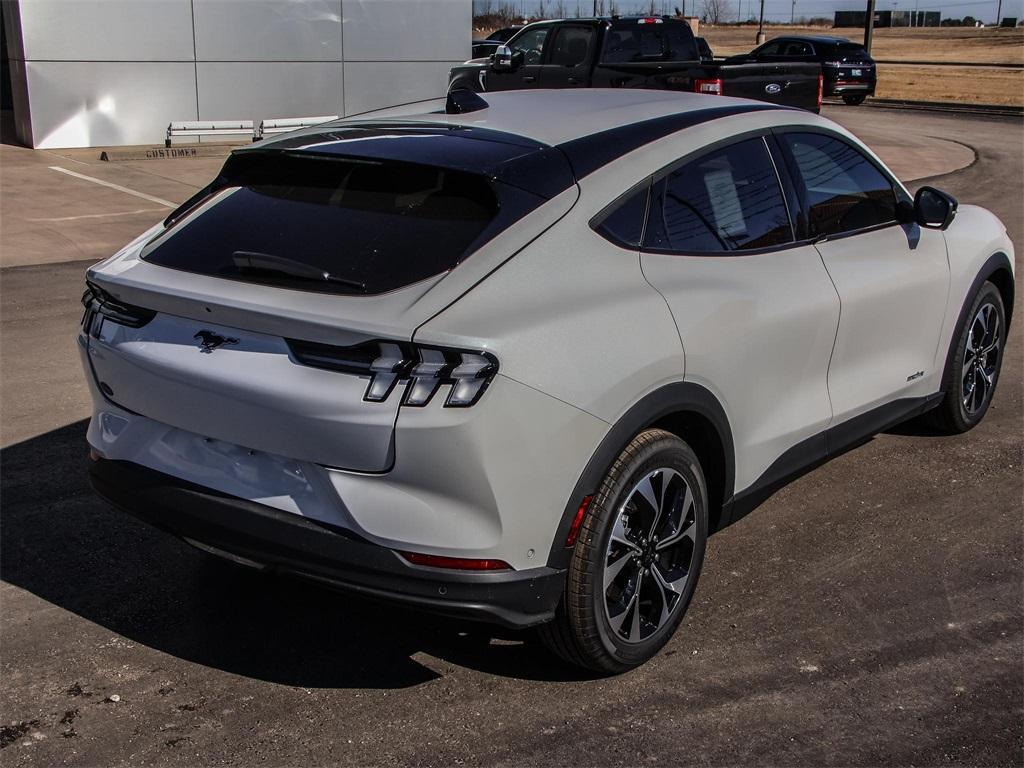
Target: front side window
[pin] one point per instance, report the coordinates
(843, 190)
(728, 200)
(572, 46)
(531, 44)
(773, 48)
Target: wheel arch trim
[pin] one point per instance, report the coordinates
(996, 264)
(675, 399)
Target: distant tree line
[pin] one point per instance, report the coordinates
(492, 14)
(966, 21)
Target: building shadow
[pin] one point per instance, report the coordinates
(66, 546)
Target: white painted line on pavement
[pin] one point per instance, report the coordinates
(99, 215)
(118, 187)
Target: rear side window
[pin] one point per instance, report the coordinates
(797, 48)
(333, 226)
(649, 42)
(843, 189)
(624, 226)
(571, 46)
(728, 200)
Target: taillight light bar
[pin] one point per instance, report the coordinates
(98, 303)
(708, 86)
(422, 369)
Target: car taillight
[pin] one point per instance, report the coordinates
(650, 20)
(98, 303)
(821, 88)
(708, 86)
(423, 370)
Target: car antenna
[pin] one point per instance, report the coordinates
(462, 100)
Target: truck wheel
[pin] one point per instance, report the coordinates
(855, 99)
(635, 564)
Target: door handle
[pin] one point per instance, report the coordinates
(529, 79)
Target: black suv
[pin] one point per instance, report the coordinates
(846, 67)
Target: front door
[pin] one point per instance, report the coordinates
(892, 278)
(527, 58)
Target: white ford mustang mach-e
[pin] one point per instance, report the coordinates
(516, 359)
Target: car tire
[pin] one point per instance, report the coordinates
(635, 563)
(971, 380)
(854, 100)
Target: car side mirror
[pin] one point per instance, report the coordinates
(501, 59)
(934, 208)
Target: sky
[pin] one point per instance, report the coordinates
(778, 10)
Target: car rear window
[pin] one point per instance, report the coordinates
(337, 225)
(635, 42)
(852, 51)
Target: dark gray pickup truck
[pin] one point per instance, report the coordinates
(631, 52)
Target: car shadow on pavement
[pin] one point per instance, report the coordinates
(66, 546)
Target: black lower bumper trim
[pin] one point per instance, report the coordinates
(293, 544)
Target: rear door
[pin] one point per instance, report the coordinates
(892, 278)
(569, 57)
(756, 311)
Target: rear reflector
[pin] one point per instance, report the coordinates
(708, 86)
(574, 529)
(455, 563)
(821, 89)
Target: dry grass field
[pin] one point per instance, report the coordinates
(978, 46)
(975, 85)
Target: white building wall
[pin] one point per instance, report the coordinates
(116, 72)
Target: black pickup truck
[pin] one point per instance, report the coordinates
(631, 52)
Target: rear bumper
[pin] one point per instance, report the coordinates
(293, 544)
(839, 89)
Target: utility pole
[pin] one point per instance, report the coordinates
(999, 13)
(760, 26)
(792, 14)
(869, 26)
